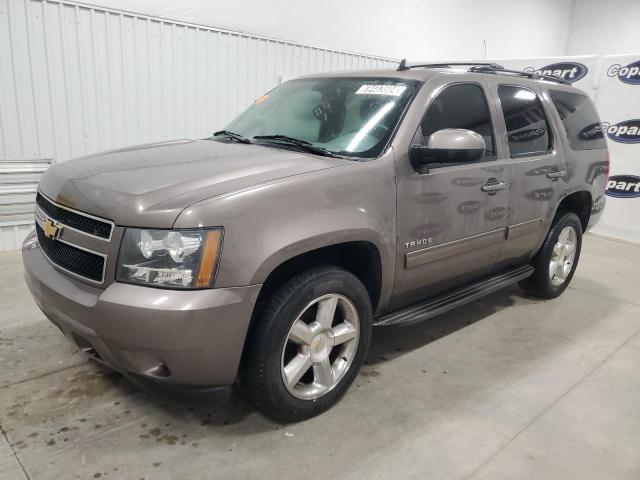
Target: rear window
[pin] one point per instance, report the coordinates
(580, 120)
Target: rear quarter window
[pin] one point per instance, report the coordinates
(580, 120)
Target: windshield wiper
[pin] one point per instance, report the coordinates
(232, 135)
(302, 144)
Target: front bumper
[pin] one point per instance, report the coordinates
(190, 338)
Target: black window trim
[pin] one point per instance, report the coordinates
(552, 137)
(491, 158)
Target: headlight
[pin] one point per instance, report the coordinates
(169, 258)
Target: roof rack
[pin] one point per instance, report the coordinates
(520, 73)
(484, 67)
(403, 65)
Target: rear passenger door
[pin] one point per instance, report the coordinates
(536, 169)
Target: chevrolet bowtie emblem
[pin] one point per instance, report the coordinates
(52, 229)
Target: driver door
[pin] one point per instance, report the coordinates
(450, 229)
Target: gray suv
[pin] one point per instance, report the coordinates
(264, 255)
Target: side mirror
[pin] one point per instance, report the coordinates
(450, 145)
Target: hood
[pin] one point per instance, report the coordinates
(149, 185)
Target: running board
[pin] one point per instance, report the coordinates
(448, 301)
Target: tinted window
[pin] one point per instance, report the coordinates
(527, 126)
(459, 106)
(580, 120)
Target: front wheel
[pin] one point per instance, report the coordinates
(308, 344)
(556, 261)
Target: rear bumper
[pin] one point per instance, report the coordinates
(596, 212)
(190, 338)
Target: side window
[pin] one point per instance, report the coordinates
(580, 120)
(459, 106)
(527, 125)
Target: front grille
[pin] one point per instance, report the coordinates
(85, 224)
(72, 259)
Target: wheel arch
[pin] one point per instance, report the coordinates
(579, 202)
(360, 257)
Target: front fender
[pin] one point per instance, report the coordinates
(268, 224)
(309, 241)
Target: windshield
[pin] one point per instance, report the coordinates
(346, 116)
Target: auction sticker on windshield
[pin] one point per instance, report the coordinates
(392, 90)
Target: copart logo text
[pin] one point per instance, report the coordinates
(627, 131)
(569, 71)
(627, 74)
(623, 186)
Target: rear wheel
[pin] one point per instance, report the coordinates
(556, 261)
(308, 344)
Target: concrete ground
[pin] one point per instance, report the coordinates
(506, 387)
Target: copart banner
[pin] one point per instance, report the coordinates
(581, 71)
(618, 101)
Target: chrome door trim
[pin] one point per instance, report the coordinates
(524, 228)
(455, 247)
(494, 187)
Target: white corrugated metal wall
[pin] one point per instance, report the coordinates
(75, 79)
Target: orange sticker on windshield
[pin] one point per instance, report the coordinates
(262, 99)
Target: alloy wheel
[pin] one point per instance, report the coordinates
(320, 346)
(563, 256)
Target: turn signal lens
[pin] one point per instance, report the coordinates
(209, 259)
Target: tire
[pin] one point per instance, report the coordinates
(274, 343)
(543, 283)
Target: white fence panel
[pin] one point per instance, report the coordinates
(18, 185)
(77, 79)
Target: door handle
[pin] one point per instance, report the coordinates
(493, 187)
(556, 174)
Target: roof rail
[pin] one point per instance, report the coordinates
(403, 65)
(484, 67)
(520, 73)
